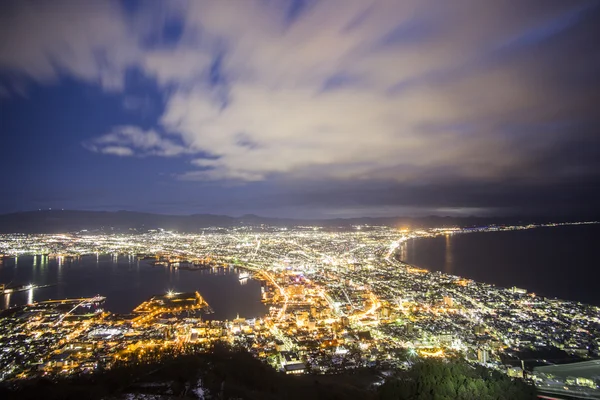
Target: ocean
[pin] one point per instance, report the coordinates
(559, 262)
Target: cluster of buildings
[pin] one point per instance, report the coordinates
(337, 300)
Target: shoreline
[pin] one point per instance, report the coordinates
(464, 272)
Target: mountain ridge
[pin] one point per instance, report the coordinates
(61, 221)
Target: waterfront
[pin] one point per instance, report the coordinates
(126, 282)
(555, 262)
(337, 301)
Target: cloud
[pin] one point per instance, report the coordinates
(91, 41)
(405, 93)
(122, 141)
(457, 80)
(117, 150)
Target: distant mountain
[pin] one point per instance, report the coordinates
(52, 221)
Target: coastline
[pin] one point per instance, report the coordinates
(527, 257)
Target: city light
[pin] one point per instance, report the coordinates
(335, 300)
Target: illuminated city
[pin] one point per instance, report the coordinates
(299, 199)
(337, 300)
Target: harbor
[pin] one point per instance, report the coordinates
(6, 288)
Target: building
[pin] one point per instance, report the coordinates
(291, 363)
(295, 369)
(483, 355)
(448, 301)
(517, 290)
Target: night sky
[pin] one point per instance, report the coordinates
(312, 108)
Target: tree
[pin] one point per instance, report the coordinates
(454, 380)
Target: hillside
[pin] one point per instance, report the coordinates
(226, 374)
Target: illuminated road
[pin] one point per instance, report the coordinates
(375, 304)
(259, 271)
(83, 302)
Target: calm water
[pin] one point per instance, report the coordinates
(555, 262)
(126, 282)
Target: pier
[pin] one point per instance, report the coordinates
(4, 289)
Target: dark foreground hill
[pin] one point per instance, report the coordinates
(225, 374)
(221, 374)
(57, 221)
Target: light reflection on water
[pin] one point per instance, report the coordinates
(448, 256)
(126, 282)
(556, 262)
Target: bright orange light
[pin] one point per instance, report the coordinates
(438, 353)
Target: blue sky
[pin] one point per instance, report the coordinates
(316, 108)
